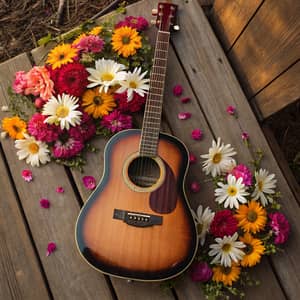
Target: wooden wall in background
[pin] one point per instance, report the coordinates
(261, 39)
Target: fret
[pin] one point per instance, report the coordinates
(155, 58)
(160, 67)
(154, 90)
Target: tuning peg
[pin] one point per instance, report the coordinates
(154, 22)
(176, 27)
(154, 12)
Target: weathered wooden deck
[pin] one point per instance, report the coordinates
(197, 62)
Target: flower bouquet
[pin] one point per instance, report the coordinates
(92, 82)
(247, 225)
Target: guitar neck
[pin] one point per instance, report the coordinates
(153, 108)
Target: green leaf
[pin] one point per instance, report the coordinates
(45, 40)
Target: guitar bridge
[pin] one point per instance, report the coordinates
(137, 219)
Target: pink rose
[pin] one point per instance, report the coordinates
(20, 82)
(39, 83)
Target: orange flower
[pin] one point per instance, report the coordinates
(15, 127)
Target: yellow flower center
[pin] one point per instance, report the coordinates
(248, 249)
(251, 216)
(61, 57)
(125, 40)
(107, 77)
(199, 228)
(62, 111)
(132, 84)
(33, 148)
(232, 190)
(226, 247)
(260, 185)
(97, 100)
(217, 158)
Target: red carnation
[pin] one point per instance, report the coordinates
(223, 223)
(71, 79)
(133, 105)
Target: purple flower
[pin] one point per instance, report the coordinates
(184, 115)
(139, 23)
(197, 134)
(242, 171)
(89, 182)
(50, 248)
(195, 187)
(177, 90)
(200, 271)
(280, 227)
(116, 121)
(231, 110)
(44, 203)
(27, 175)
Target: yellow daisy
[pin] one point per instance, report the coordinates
(227, 275)
(15, 127)
(97, 103)
(253, 251)
(126, 41)
(60, 55)
(96, 30)
(252, 217)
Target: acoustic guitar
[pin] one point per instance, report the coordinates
(137, 223)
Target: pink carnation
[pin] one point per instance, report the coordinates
(20, 82)
(51, 247)
(67, 148)
(242, 171)
(280, 227)
(231, 109)
(27, 175)
(177, 90)
(116, 121)
(60, 190)
(90, 43)
(134, 105)
(184, 115)
(42, 131)
(245, 136)
(44, 203)
(89, 182)
(139, 23)
(39, 83)
(197, 134)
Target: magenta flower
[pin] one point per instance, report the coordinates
(242, 171)
(200, 272)
(60, 190)
(89, 182)
(27, 175)
(197, 134)
(195, 187)
(185, 100)
(184, 115)
(67, 148)
(44, 203)
(245, 136)
(50, 248)
(280, 227)
(20, 82)
(42, 131)
(177, 90)
(85, 131)
(90, 43)
(231, 110)
(139, 23)
(192, 158)
(116, 121)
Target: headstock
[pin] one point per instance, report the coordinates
(165, 16)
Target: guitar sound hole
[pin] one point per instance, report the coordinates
(144, 171)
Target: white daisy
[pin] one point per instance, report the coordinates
(226, 250)
(62, 111)
(231, 193)
(203, 220)
(218, 158)
(34, 151)
(134, 82)
(264, 186)
(106, 73)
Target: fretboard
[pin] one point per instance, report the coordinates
(153, 109)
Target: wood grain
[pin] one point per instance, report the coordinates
(64, 268)
(18, 263)
(230, 17)
(283, 91)
(268, 46)
(216, 87)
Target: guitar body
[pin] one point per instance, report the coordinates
(135, 227)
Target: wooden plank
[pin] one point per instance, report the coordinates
(268, 46)
(283, 91)
(18, 264)
(216, 87)
(68, 276)
(230, 17)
